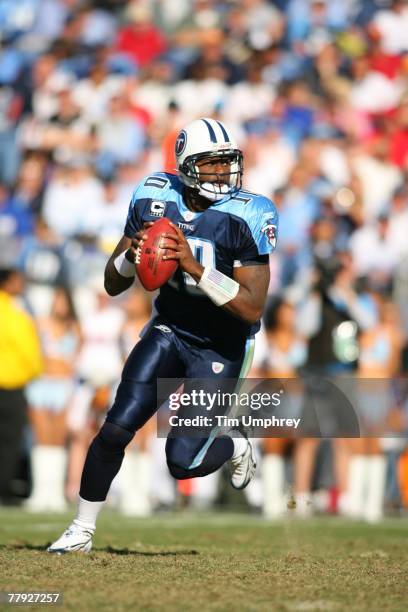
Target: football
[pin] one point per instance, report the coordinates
(152, 271)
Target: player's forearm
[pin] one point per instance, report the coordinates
(120, 272)
(249, 302)
(244, 307)
(115, 283)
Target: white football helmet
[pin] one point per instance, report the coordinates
(204, 138)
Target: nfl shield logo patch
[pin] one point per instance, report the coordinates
(217, 367)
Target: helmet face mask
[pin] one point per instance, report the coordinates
(207, 140)
(225, 183)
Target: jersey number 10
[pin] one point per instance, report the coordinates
(203, 251)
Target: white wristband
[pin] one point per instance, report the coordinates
(123, 266)
(219, 287)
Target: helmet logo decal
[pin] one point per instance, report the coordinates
(181, 142)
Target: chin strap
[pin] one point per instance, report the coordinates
(213, 192)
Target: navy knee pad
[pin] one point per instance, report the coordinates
(111, 441)
(103, 461)
(182, 453)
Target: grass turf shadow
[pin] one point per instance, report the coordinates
(108, 549)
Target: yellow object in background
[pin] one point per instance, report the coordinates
(20, 350)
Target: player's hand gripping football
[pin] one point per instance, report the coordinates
(182, 253)
(137, 241)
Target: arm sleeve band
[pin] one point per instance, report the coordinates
(123, 266)
(219, 287)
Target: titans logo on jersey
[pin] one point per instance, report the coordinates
(239, 230)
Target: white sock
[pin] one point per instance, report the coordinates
(356, 485)
(273, 478)
(240, 445)
(88, 513)
(376, 471)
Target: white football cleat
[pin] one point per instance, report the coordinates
(242, 468)
(74, 539)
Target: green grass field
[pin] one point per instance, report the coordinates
(225, 562)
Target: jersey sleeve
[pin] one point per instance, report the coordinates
(260, 233)
(151, 188)
(133, 220)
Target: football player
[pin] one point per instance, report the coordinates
(205, 316)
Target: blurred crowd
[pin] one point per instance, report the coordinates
(92, 96)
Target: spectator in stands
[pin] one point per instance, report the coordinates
(71, 197)
(98, 366)
(29, 189)
(375, 251)
(49, 398)
(212, 62)
(139, 38)
(16, 221)
(379, 361)
(120, 136)
(297, 212)
(391, 24)
(286, 353)
(21, 362)
(43, 263)
(92, 94)
(11, 107)
(330, 317)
